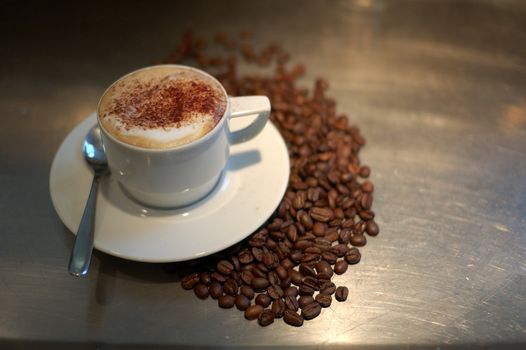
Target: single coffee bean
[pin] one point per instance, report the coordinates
(367, 186)
(353, 256)
(340, 267)
(324, 300)
(292, 318)
(332, 236)
(287, 263)
(319, 228)
(311, 310)
(291, 303)
(341, 293)
(225, 267)
(247, 276)
(266, 317)
(321, 214)
(285, 283)
(306, 290)
(215, 289)
(340, 249)
(358, 240)
(322, 277)
(307, 270)
(366, 215)
(247, 291)
(216, 276)
(329, 257)
(273, 278)
(245, 257)
(364, 171)
(314, 251)
(282, 272)
(305, 300)
(311, 282)
(324, 267)
(292, 233)
(295, 277)
(226, 301)
(235, 261)
(259, 284)
(205, 278)
(263, 300)
(201, 290)
(303, 244)
(257, 253)
(189, 281)
(292, 291)
(259, 271)
(278, 307)
(345, 236)
(328, 288)
(371, 228)
(275, 291)
(295, 256)
(253, 312)
(242, 302)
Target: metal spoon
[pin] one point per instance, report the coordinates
(83, 247)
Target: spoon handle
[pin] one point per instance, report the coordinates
(81, 253)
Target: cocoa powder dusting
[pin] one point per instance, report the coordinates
(168, 103)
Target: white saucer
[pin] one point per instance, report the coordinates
(248, 193)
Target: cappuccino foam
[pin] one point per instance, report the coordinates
(162, 107)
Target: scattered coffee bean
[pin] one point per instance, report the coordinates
(215, 289)
(358, 240)
(341, 293)
(292, 291)
(311, 310)
(340, 267)
(230, 287)
(253, 312)
(275, 291)
(353, 256)
(292, 318)
(205, 278)
(291, 303)
(259, 284)
(263, 300)
(226, 301)
(247, 291)
(225, 267)
(296, 277)
(189, 281)
(305, 300)
(324, 300)
(324, 267)
(278, 308)
(371, 228)
(242, 302)
(328, 288)
(201, 290)
(266, 317)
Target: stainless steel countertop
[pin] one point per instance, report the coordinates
(438, 88)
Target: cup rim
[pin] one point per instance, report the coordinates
(189, 145)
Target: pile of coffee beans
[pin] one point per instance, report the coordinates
(285, 269)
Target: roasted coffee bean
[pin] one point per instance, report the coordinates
(291, 303)
(278, 307)
(226, 301)
(306, 290)
(307, 270)
(358, 240)
(205, 278)
(230, 287)
(321, 214)
(263, 300)
(245, 256)
(253, 312)
(306, 220)
(366, 215)
(349, 223)
(341, 293)
(324, 299)
(353, 256)
(275, 292)
(201, 290)
(285, 283)
(216, 276)
(291, 291)
(282, 272)
(303, 244)
(225, 267)
(257, 253)
(364, 171)
(329, 257)
(287, 263)
(273, 278)
(247, 291)
(324, 267)
(266, 318)
(328, 288)
(235, 261)
(322, 243)
(259, 284)
(305, 300)
(312, 251)
(296, 256)
(322, 277)
(247, 276)
(275, 225)
(189, 281)
(311, 282)
(340, 249)
(332, 236)
(319, 228)
(292, 233)
(311, 310)
(371, 228)
(296, 277)
(340, 267)
(345, 236)
(215, 289)
(242, 302)
(292, 318)
(367, 186)
(310, 258)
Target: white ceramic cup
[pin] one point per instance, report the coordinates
(182, 175)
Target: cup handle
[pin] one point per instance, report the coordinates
(249, 105)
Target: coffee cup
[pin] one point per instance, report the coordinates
(165, 131)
